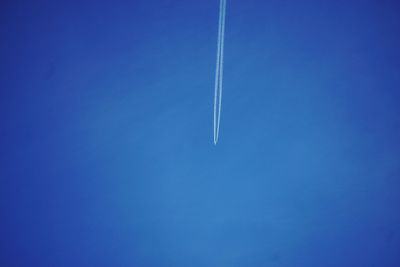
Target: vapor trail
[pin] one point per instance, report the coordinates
(219, 70)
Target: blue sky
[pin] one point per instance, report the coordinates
(106, 148)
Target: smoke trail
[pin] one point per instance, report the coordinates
(219, 70)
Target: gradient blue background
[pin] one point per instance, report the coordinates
(106, 134)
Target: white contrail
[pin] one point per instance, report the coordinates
(219, 70)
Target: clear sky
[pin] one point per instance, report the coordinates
(106, 134)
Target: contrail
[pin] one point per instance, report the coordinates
(219, 70)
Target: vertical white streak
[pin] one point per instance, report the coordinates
(217, 73)
(221, 67)
(219, 70)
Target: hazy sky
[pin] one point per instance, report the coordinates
(106, 134)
